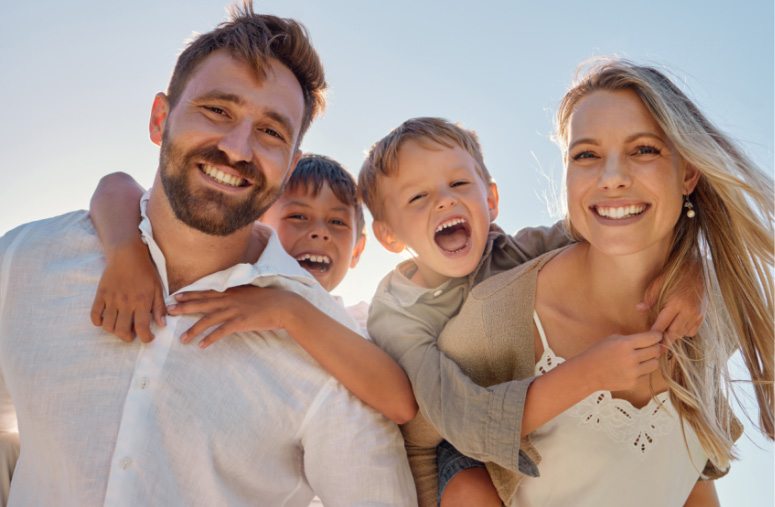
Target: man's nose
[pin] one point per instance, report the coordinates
(237, 143)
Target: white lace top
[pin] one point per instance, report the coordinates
(605, 452)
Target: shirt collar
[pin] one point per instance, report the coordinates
(274, 261)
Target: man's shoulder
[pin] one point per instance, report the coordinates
(49, 232)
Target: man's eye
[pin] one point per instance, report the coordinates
(217, 110)
(272, 133)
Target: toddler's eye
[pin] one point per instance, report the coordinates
(416, 197)
(458, 183)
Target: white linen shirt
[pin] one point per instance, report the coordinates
(252, 420)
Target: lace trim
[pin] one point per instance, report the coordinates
(639, 428)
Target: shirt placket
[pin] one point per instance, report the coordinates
(126, 463)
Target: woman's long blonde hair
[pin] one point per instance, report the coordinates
(732, 237)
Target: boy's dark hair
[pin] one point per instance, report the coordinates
(254, 39)
(313, 171)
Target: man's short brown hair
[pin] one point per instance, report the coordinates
(382, 159)
(254, 39)
(313, 171)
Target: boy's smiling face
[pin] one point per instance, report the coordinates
(438, 206)
(319, 231)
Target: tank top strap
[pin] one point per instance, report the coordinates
(541, 333)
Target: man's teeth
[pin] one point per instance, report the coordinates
(222, 177)
(320, 259)
(450, 223)
(621, 211)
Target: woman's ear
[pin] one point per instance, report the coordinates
(386, 236)
(691, 177)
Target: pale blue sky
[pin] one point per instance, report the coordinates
(78, 78)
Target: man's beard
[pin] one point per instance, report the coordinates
(206, 209)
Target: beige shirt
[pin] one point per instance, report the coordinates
(466, 395)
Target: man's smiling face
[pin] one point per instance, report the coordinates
(229, 143)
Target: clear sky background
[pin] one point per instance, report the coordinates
(77, 79)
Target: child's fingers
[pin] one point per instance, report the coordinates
(143, 326)
(222, 331)
(123, 328)
(97, 307)
(109, 319)
(159, 309)
(204, 324)
(645, 340)
(647, 353)
(665, 318)
(648, 367)
(195, 295)
(200, 306)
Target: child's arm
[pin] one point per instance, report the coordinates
(362, 367)
(485, 423)
(703, 495)
(129, 292)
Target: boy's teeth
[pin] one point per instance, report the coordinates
(321, 259)
(222, 177)
(620, 211)
(450, 223)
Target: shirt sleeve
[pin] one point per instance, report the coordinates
(353, 455)
(8, 244)
(481, 422)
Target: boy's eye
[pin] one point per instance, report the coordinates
(339, 222)
(416, 198)
(646, 149)
(458, 183)
(296, 216)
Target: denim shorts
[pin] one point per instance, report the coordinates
(450, 462)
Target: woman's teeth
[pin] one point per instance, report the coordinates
(621, 211)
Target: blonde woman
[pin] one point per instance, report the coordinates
(652, 188)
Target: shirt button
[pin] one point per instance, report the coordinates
(437, 293)
(143, 382)
(125, 463)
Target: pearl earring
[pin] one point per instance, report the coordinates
(689, 207)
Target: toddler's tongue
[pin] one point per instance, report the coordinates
(452, 238)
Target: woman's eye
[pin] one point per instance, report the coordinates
(647, 150)
(584, 155)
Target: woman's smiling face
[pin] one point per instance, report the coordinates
(625, 182)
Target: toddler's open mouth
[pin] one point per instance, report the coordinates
(452, 235)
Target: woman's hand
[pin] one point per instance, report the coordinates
(244, 308)
(129, 294)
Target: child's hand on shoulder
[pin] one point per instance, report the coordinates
(617, 362)
(244, 308)
(129, 294)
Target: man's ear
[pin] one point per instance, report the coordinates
(159, 112)
(386, 237)
(360, 244)
(492, 201)
(691, 177)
